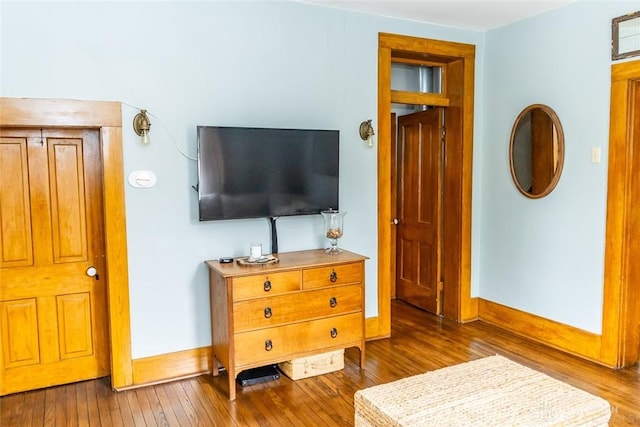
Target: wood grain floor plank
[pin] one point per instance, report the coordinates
(50, 406)
(222, 405)
(37, 411)
(170, 402)
(145, 408)
(204, 410)
(123, 409)
(134, 406)
(11, 409)
(92, 404)
(82, 407)
(181, 399)
(161, 407)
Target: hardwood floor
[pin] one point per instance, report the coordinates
(420, 342)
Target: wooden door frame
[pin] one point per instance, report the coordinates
(106, 116)
(621, 314)
(458, 64)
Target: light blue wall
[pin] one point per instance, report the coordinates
(211, 63)
(296, 65)
(546, 256)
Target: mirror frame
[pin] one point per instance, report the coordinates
(556, 176)
(616, 36)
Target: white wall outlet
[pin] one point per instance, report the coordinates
(595, 155)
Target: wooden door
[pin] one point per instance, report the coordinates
(419, 201)
(52, 312)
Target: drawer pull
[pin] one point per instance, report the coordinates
(268, 345)
(267, 312)
(334, 332)
(333, 277)
(333, 302)
(267, 285)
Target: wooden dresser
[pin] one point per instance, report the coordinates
(307, 303)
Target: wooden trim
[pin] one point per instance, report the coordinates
(414, 98)
(472, 310)
(458, 76)
(172, 366)
(625, 71)
(557, 335)
(106, 115)
(619, 319)
(21, 112)
(385, 278)
(429, 47)
(167, 367)
(117, 264)
(415, 61)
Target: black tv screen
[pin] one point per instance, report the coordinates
(266, 173)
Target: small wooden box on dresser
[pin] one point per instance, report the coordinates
(307, 303)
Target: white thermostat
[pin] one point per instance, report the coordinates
(142, 179)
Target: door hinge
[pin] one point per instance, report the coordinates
(443, 133)
(440, 286)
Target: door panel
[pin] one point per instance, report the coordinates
(74, 325)
(20, 333)
(419, 175)
(54, 327)
(67, 201)
(15, 217)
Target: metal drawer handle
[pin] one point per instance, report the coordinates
(267, 312)
(333, 302)
(268, 345)
(334, 332)
(333, 277)
(267, 285)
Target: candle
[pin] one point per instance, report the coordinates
(255, 251)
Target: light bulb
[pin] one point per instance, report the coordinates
(144, 138)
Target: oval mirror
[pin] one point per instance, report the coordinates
(536, 151)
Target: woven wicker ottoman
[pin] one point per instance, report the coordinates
(493, 391)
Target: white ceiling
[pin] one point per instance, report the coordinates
(480, 15)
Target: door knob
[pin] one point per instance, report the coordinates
(93, 272)
(394, 221)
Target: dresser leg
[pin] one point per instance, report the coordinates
(232, 385)
(214, 366)
(362, 356)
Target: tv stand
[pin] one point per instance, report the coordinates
(274, 234)
(308, 303)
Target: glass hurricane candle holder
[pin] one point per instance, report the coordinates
(333, 221)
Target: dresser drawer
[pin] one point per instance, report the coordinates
(331, 276)
(282, 342)
(262, 285)
(296, 307)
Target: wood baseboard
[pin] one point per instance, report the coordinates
(373, 329)
(470, 310)
(171, 366)
(554, 334)
(188, 363)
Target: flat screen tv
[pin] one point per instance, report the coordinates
(266, 173)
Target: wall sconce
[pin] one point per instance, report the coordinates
(366, 132)
(141, 125)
